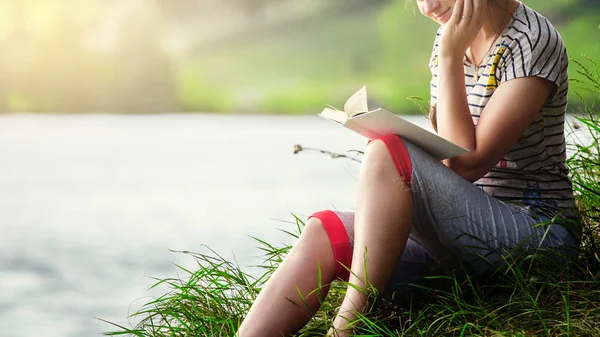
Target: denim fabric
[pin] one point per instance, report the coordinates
(454, 218)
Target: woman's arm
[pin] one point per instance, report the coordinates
(512, 107)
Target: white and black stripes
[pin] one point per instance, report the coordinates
(534, 170)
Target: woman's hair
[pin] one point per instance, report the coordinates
(433, 116)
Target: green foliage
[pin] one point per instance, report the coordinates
(298, 100)
(303, 66)
(585, 163)
(206, 302)
(299, 67)
(296, 66)
(406, 38)
(197, 94)
(17, 102)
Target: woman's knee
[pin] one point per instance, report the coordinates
(377, 153)
(387, 155)
(313, 228)
(329, 224)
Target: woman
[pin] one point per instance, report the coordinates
(499, 88)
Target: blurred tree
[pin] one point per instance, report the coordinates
(15, 47)
(258, 7)
(144, 78)
(180, 9)
(254, 7)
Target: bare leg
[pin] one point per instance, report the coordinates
(383, 221)
(272, 314)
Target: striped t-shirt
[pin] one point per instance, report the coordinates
(533, 172)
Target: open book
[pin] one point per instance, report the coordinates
(357, 117)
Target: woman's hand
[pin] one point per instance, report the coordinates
(462, 28)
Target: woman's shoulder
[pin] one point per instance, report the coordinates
(533, 47)
(532, 32)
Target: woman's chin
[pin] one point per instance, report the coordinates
(444, 18)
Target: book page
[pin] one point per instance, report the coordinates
(357, 103)
(382, 122)
(334, 115)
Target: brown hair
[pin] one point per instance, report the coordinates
(433, 117)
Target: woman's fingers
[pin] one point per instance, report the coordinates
(457, 12)
(478, 6)
(467, 10)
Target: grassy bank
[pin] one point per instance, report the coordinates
(518, 300)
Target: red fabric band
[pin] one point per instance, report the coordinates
(342, 249)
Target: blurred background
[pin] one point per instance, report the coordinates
(129, 128)
(260, 56)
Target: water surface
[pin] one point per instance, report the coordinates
(92, 204)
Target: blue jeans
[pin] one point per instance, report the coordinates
(454, 218)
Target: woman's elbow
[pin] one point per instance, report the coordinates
(470, 172)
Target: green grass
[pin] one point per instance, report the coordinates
(530, 295)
